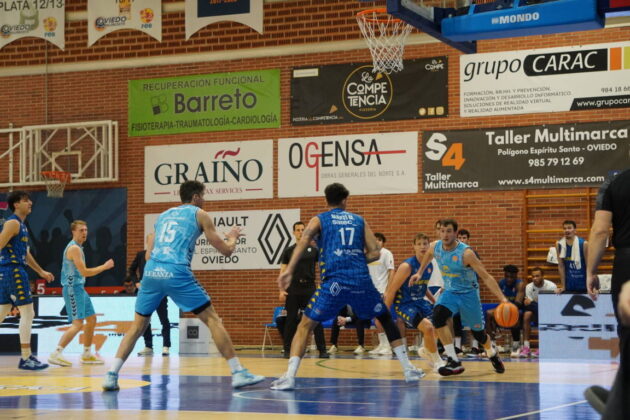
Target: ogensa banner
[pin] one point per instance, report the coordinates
(382, 163)
(230, 171)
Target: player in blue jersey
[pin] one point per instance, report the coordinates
(572, 255)
(346, 245)
(78, 303)
(460, 267)
(14, 285)
(168, 273)
(409, 300)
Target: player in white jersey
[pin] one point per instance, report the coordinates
(381, 272)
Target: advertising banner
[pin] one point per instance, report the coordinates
(345, 93)
(205, 102)
(200, 13)
(551, 156)
(576, 327)
(547, 80)
(36, 18)
(230, 171)
(105, 16)
(267, 234)
(381, 163)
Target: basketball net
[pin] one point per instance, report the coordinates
(385, 36)
(56, 182)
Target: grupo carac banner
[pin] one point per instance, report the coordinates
(546, 80)
(105, 16)
(36, 18)
(200, 13)
(230, 171)
(551, 156)
(379, 163)
(345, 93)
(205, 102)
(267, 233)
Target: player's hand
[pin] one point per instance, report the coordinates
(504, 300)
(623, 307)
(235, 233)
(341, 321)
(414, 279)
(592, 285)
(284, 279)
(47, 276)
(108, 264)
(558, 290)
(282, 297)
(527, 301)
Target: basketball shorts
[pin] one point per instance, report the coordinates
(78, 303)
(533, 308)
(413, 312)
(173, 280)
(14, 286)
(330, 297)
(468, 305)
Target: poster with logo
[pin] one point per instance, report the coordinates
(33, 18)
(345, 93)
(105, 16)
(230, 171)
(267, 234)
(549, 156)
(576, 327)
(379, 163)
(205, 102)
(547, 80)
(200, 13)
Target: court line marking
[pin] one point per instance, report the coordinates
(540, 411)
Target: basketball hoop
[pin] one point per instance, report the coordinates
(385, 36)
(56, 182)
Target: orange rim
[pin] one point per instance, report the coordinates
(58, 175)
(381, 10)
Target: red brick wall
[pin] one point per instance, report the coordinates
(245, 299)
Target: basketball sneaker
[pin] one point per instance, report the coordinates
(535, 353)
(385, 351)
(359, 350)
(91, 359)
(516, 353)
(110, 382)
(413, 374)
(57, 359)
(284, 383)
(597, 397)
(244, 378)
(525, 352)
(333, 349)
(376, 349)
(497, 364)
(165, 351)
(424, 353)
(147, 351)
(451, 367)
(31, 364)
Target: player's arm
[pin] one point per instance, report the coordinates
(225, 247)
(9, 230)
(282, 297)
(520, 293)
(150, 242)
(30, 260)
(430, 296)
(74, 255)
(310, 232)
(561, 272)
(528, 295)
(597, 245)
(403, 272)
(471, 260)
(426, 260)
(372, 253)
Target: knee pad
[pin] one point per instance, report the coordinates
(441, 314)
(391, 330)
(480, 336)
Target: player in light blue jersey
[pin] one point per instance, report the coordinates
(168, 273)
(78, 303)
(409, 299)
(15, 288)
(460, 267)
(346, 245)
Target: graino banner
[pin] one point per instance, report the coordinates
(552, 156)
(205, 102)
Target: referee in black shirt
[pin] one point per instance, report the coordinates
(300, 291)
(613, 208)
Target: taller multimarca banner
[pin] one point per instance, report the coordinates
(546, 80)
(205, 102)
(36, 18)
(105, 16)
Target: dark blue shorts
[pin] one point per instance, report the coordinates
(330, 297)
(14, 286)
(414, 312)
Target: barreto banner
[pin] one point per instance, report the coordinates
(547, 80)
(267, 233)
(200, 13)
(205, 102)
(230, 171)
(380, 163)
(36, 18)
(351, 92)
(551, 156)
(105, 16)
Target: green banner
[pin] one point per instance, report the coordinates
(205, 102)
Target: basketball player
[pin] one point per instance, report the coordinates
(78, 303)
(168, 273)
(458, 264)
(14, 285)
(346, 245)
(409, 301)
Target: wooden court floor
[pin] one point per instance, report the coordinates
(343, 387)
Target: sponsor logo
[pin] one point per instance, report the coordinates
(274, 237)
(146, 15)
(435, 65)
(577, 306)
(378, 307)
(367, 95)
(335, 289)
(160, 273)
(338, 252)
(50, 24)
(103, 22)
(192, 332)
(515, 18)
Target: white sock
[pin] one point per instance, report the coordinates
(450, 351)
(26, 352)
(235, 364)
(435, 357)
(116, 365)
(58, 350)
(493, 343)
(86, 350)
(458, 342)
(526, 343)
(294, 364)
(492, 351)
(475, 344)
(401, 353)
(382, 340)
(515, 345)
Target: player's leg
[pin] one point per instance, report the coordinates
(147, 336)
(472, 317)
(4, 311)
(334, 331)
(88, 313)
(290, 325)
(162, 312)
(528, 316)
(56, 357)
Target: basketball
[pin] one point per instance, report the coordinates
(506, 315)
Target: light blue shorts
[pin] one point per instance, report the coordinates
(78, 303)
(468, 305)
